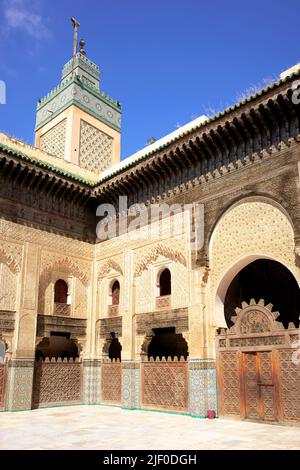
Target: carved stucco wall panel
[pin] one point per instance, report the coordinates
(174, 250)
(96, 148)
(8, 288)
(54, 140)
(148, 262)
(11, 257)
(250, 230)
(170, 230)
(54, 266)
(145, 292)
(111, 264)
(52, 261)
(11, 254)
(80, 304)
(12, 231)
(107, 271)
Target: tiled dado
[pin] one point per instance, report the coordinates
(131, 373)
(91, 381)
(19, 384)
(202, 387)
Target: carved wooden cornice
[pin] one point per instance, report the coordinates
(248, 134)
(48, 323)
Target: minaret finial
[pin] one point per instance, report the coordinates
(82, 44)
(76, 25)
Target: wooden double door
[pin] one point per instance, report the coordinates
(259, 385)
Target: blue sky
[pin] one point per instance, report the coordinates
(166, 61)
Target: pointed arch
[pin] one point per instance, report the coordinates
(67, 265)
(9, 261)
(107, 267)
(151, 257)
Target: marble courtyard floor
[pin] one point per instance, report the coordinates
(104, 427)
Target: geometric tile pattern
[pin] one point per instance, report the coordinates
(54, 140)
(130, 384)
(92, 382)
(75, 94)
(96, 148)
(202, 388)
(20, 381)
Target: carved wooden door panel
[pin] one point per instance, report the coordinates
(259, 386)
(257, 378)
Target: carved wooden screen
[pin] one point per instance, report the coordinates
(2, 384)
(111, 381)
(57, 383)
(165, 385)
(257, 376)
(229, 383)
(290, 383)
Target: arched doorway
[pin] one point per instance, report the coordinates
(269, 280)
(58, 345)
(166, 343)
(256, 375)
(57, 372)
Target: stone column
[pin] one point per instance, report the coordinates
(130, 367)
(21, 365)
(202, 366)
(91, 364)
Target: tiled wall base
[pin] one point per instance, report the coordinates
(92, 381)
(19, 384)
(130, 384)
(202, 387)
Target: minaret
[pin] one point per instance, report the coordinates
(76, 121)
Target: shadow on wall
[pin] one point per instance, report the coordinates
(269, 280)
(166, 343)
(57, 345)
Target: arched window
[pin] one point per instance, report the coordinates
(165, 282)
(115, 293)
(61, 292)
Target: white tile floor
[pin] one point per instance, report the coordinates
(103, 427)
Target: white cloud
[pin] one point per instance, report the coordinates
(19, 15)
